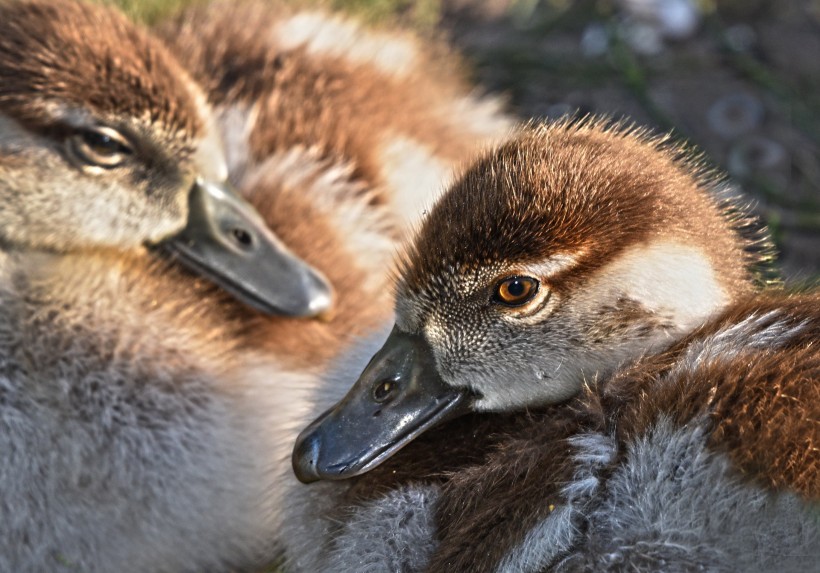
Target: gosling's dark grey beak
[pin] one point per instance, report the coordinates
(398, 396)
(227, 241)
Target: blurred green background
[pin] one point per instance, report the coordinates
(738, 78)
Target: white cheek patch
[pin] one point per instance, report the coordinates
(327, 35)
(415, 176)
(669, 279)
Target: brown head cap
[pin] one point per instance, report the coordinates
(57, 53)
(589, 190)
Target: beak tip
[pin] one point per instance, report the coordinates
(265, 276)
(305, 457)
(319, 296)
(321, 303)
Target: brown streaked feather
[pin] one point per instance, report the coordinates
(92, 57)
(346, 109)
(763, 402)
(487, 508)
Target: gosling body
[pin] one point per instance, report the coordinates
(395, 112)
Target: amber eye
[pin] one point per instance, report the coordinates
(99, 147)
(515, 291)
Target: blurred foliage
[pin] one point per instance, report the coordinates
(424, 14)
(150, 11)
(420, 13)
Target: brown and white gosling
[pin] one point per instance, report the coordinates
(551, 261)
(124, 424)
(556, 277)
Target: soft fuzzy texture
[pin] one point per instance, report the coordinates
(556, 534)
(643, 472)
(674, 505)
(754, 371)
(396, 109)
(490, 506)
(395, 534)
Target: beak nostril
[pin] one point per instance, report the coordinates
(384, 390)
(242, 237)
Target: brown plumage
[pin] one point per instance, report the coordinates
(753, 372)
(487, 508)
(77, 54)
(588, 189)
(760, 388)
(381, 101)
(632, 247)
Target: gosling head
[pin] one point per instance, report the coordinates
(106, 143)
(567, 251)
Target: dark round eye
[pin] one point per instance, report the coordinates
(99, 147)
(384, 390)
(515, 291)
